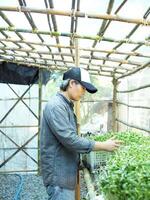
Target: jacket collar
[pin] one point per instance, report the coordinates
(69, 102)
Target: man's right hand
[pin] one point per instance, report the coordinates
(109, 145)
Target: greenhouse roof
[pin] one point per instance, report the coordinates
(113, 36)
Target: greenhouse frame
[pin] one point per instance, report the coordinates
(50, 37)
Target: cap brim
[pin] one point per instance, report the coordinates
(89, 87)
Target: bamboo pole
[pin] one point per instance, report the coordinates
(111, 51)
(130, 34)
(23, 102)
(72, 26)
(92, 66)
(69, 55)
(16, 171)
(65, 54)
(12, 25)
(114, 106)
(111, 71)
(39, 117)
(31, 22)
(12, 99)
(57, 34)
(18, 126)
(89, 184)
(132, 106)
(78, 114)
(48, 16)
(51, 4)
(18, 150)
(12, 148)
(15, 104)
(76, 14)
(18, 146)
(147, 64)
(133, 126)
(85, 101)
(133, 90)
(53, 66)
(101, 30)
(5, 18)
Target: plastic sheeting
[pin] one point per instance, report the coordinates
(20, 74)
(136, 116)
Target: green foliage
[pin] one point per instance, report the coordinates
(128, 138)
(128, 170)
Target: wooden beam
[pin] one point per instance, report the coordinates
(89, 184)
(39, 117)
(132, 106)
(112, 51)
(114, 105)
(88, 37)
(76, 14)
(78, 114)
(133, 90)
(133, 126)
(92, 66)
(53, 66)
(147, 64)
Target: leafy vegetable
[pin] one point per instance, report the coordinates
(127, 137)
(128, 171)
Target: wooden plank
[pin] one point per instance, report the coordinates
(77, 111)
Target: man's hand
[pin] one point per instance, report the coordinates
(108, 145)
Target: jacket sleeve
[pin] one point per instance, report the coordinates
(58, 121)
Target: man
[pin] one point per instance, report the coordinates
(60, 144)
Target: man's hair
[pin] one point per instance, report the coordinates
(64, 85)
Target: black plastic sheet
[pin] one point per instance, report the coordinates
(20, 74)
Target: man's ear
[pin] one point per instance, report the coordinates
(71, 82)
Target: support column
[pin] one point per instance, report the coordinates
(114, 105)
(77, 111)
(89, 184)
(39, 116)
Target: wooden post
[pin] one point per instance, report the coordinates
(109, 118)
(114, 107)
(39, 116)
(77, 111)
(89, 184)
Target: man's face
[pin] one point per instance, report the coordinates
(75, 90)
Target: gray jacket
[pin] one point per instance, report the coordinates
(59, 143)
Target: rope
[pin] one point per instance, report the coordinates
(100, 38)
(127, 40)
(73, 13)
(19, 9)
(113, 51)
(86, 16)
(72, 37)
(144, 22)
